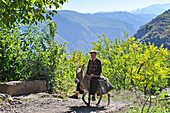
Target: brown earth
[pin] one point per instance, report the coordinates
(45, 103)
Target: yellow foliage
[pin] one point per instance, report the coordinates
(132, 60)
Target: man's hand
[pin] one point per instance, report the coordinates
(91, 75)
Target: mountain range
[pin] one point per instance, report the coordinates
(80, 29)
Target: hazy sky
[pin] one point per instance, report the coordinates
(86, 6)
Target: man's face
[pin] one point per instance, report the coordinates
(93, 55)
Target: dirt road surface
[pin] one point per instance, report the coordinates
(43, 103)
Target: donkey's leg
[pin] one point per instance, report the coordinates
(99, 100)
(84, 99)
(89, 100)
(108, 94)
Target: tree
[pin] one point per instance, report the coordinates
(33, 53)
(14, 12)
(133, 64)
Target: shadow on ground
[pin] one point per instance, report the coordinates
(84, 109)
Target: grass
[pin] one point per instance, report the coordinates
(121, 96)
(159, 104)
(1, 99)
(154, 109)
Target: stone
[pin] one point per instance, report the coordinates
(6, 97)
(16, 88)
(2, 96)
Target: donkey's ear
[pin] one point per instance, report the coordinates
(83, 66)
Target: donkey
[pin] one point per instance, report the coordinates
(85, 86)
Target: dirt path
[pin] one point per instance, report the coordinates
(43, 103)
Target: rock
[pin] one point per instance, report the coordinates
(14, 102)
(16, 88)
(5, 96)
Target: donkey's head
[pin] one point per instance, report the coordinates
(79, 74)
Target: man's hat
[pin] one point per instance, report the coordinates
(93, 51)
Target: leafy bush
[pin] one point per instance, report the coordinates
(131, 64)
(33, 55)
(159, 103)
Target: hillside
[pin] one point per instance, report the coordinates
(157, 31)
(156, 9)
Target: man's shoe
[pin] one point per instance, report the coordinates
(73, 96)
(93, 98)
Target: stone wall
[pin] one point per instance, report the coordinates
(15, 88)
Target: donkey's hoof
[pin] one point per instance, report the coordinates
(88, 105)
(97, 105)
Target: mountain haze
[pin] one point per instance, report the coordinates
(156, 9)
(79, 30)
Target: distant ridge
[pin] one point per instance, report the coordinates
(156, 9)
(80, 29)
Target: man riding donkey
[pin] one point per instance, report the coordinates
(94, 70)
